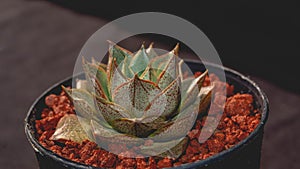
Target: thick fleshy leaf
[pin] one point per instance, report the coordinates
(159, 63)
(140, 61)
(165, 104)
(125, 69)
(190, 93)
(117, 79)
(171, 149)
(118, 52)
(84, 104)
(111, 111)
(106, 135)
(132, 127)
(135, 95)
(121, 57)
(98, 77)
(169, 73)
(69, 128)
(150, 51)
(99, 64)
(149, 74)
(205, 97)
(180, 125)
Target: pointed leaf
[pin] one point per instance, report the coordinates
(149, 74)
(190, 93)
(125, 69)
(69, 128)
(98, 77)
(205, 97)
(117, 79)
(135, 95)
(118, 52)
(160, 62)
(180, 64)
(169, 73)
(98, 64)
(150, 51)
(140, 61)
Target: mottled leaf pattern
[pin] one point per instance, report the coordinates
(111, 111)
(169, 73)
(135, 95)
(166, 103)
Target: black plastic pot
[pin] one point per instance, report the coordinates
(244, 155)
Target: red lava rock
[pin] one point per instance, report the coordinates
(214, 145)
(239, 104)
(238, 121)
(164, 163)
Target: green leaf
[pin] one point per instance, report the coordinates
(149, 74)
(171, 149)
(150, 51)
(98, 77)
(135, 95)
(69, 128)
(140, 61)
(84, 104)
(125, 69)
(159, 62)
(169, 73)
(117, 79)
(118, 52)
(98, 64)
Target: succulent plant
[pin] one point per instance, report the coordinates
(134, 98)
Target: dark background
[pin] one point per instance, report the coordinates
(40, 40)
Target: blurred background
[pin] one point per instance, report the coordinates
(40, 41)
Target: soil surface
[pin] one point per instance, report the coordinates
(239, 119)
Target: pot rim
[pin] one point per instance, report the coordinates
(265, 112)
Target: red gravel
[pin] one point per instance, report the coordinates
(237, 122)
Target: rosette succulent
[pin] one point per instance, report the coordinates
(133, 98)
